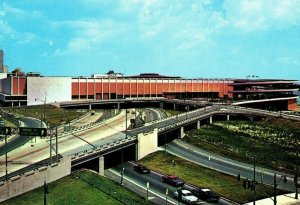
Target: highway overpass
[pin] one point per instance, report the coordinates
(99, 142)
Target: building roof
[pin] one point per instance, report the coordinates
(151, 75)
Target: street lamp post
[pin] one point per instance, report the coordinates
(44, 101)
(6, 177)
(297, 170)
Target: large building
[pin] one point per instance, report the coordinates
(31, 89)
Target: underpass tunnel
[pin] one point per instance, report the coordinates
(111, 159)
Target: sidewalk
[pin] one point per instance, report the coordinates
(286, 199)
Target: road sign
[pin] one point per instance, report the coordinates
(5, 130)
(29, 131)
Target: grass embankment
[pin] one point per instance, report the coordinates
(75, 191)
(270, 140)
(173, 112)
(53, 115)
(226, 185)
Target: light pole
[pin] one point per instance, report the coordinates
(44, 101)
(6, 177)
(297, 170)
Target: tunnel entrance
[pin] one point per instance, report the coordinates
(111, 159)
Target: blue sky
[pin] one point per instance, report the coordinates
(189, 38)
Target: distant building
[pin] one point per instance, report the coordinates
(272, 94)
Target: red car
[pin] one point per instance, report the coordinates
(173, 180)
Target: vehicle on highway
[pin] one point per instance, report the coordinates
(173, 180)
(206, 194)
(185, 196)
(2, 122)
(141, 169)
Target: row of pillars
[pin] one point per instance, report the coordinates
(182, 134)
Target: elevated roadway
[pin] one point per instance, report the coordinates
(92, 142)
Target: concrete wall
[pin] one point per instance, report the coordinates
(147, 143)
(56, 89)
(6, 85)
(34, 179)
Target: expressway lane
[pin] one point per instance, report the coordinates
(157, 187)
(228, 166)
(68, 144)
(19, 140)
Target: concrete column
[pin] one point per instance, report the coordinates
(130, 87)
(18, 85)
(101, 165)
(147, 143)
(198, 124)
(94, 88)
(150, 86)
(123, 88)
(174, 106)
(109, 93)
(116, 87)
(210, 120)
(118, 106)
(102, 88)
(87, 88)
(143, 87)
(90, 106)
(161, 105)
(156, 87)
(228, 117)
(79, 88)
(182, 132)
(137, 88)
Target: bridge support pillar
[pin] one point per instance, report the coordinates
(228, 117)
(118, 106)
(101, 165)
(147, 143)
(174, 106)
(210, 120)
(198, 124)
(161, 105)
(90, 106)
(182, 134)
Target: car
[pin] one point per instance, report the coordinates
(141, 169)
(173, 180)
(186, 196)
(206, 194)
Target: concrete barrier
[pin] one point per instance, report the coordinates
(34, 179)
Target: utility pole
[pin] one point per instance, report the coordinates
(297, 170)
(56, 144)
(6, 171)
(254, 180)
(275, 189)
(46, 191)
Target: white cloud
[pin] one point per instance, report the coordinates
(289, 60)
(87, 34)
(27, 38)
(253, 15)
(7, 9)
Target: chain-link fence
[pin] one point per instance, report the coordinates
(109, 190)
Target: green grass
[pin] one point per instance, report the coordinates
(226, 185)
(75, 191)
(271, 142)
(173, 112)
(53, 115)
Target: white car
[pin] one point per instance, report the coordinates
(186, 196)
